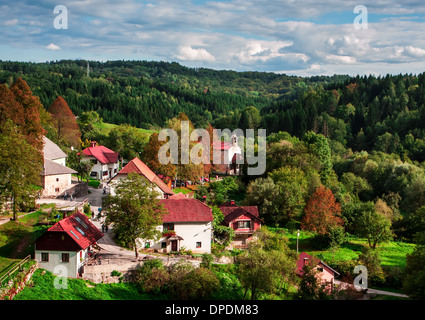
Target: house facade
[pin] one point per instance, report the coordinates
(63, 249)
(105, 161)
(188, 225)
(230, 153)
(138, 166)
(243, 219)
(56, 177)
(323, 272)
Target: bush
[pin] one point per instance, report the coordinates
(199, 283)
(207, 260)
(86, 209)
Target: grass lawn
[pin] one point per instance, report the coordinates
(43, 288)
(182, 190)
(393, 253)
(17, 238)
(105, 128)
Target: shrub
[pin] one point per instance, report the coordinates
(207, 260)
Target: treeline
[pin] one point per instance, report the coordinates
(363, 113)
(147, 94)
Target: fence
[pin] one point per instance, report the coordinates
(19, 266)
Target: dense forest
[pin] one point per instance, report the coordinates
(147, 94)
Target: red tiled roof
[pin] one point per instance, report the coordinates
(186, 210)
(310, 260)
(79, 228)
(138, 166)
(233, 211)
(101, 153)
(221, 145)
(177, 196)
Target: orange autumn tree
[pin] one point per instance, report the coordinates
(322, 212)
(67, 129)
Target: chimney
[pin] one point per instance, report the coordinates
(93, 144)
(232, 202)
(205, 199)
(305, 261)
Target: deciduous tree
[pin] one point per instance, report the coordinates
(67, 130)
(322, 212)
(135, 210)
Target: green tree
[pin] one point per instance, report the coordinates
(291, 185)
(266, 264)
(135, 210)
(374, 226)
(20, 167)
(128, 141)
(319, 146)
(87, 122)
(414, 281)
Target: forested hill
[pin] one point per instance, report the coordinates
(146, 94)
(363, 113)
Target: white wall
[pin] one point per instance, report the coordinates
(100, 167)
(191, 232)
(50, 184)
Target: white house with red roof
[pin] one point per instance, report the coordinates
(187, 225)
(138, 166)
(230, 153)
(63, 249)
(105, 161)
(244, 220)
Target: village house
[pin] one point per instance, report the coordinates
(230, 153)
(323, 272)
(188, 225)
(56, 177)
(138, 166)
(243, 219)
(105, 161)
(65, 247)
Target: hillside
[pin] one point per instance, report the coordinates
(146, 94)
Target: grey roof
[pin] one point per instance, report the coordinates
(52, 168)
(51, 150)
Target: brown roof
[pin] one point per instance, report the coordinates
(186, 210)
(138, 166)
(51, 168)
(232, 211)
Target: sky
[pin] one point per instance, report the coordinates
(305, 38)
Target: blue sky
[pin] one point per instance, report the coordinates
(307, 37)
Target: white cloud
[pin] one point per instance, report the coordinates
(12, 22)
(53, 47)
(187, 53)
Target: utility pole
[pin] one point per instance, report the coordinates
(88, 69)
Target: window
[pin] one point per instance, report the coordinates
(44, 257)
(65, 257)
(163, 245)
(244, 224)
(320, 269)
(168, 226)
(198, 245)
(93, 174)
(57, 190)
(57, 179)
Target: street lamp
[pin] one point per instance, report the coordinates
(298, 234)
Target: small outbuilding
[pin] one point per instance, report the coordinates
(64, 248)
